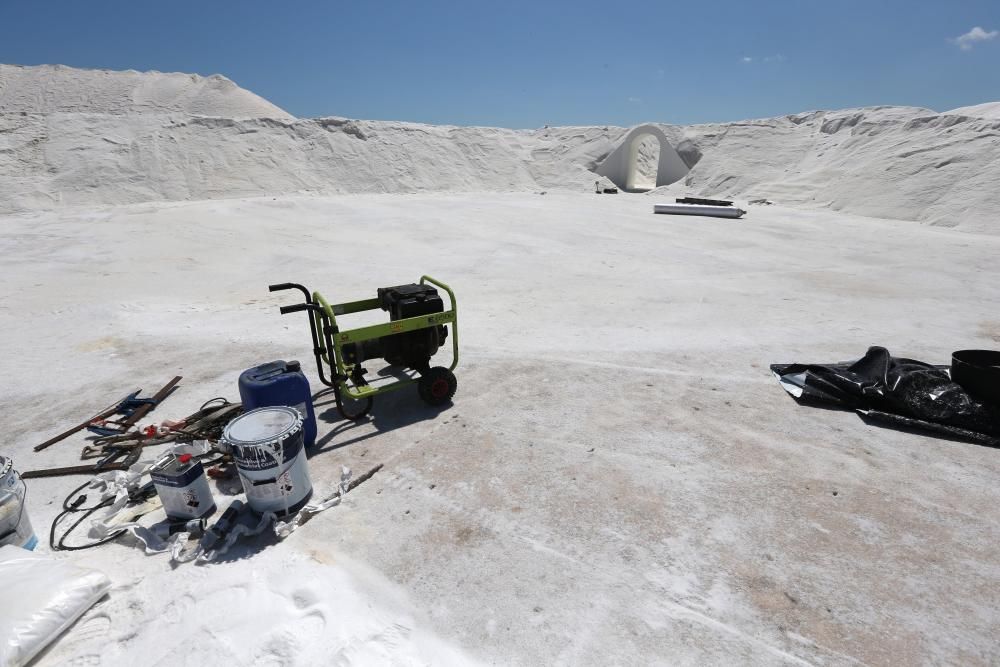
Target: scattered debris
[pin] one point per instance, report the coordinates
(120, 451)
(103, 414)
(364, 478)
(128, 456)
(897, 392)
(132, 409)
(214, 541)
(122, 498)
(705, 202)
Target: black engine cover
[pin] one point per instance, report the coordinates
(405, 301)
(412, 349)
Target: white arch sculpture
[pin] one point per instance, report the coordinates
(621, 166)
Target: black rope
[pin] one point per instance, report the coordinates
(72, 508)
(223, 402)
(75, 507)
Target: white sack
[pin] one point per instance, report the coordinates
(39, 598)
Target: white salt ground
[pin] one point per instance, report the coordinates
(620, 479)
(282, 607)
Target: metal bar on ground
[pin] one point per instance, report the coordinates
(698, 209)
(146, 408)
(103, 414)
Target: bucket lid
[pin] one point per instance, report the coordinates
(262, 425)
(271, 370)
(171, 464)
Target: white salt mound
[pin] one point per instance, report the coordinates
(47, 89)
(892, 162)
(988, 110)
(71, 137)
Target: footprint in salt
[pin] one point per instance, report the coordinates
(395, 635)
(177, 610)
(281, 648)
(81, 637)
(286, 642)
(90, 628)
(304, 598)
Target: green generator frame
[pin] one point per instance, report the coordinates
(347, 379)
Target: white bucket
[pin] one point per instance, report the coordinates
(15, 528)
(268, 450)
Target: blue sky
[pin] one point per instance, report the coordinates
(528, 64)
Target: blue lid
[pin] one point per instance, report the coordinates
(271, 370)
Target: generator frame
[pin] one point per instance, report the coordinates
(347, 379)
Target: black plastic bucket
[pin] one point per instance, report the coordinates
(978, 372)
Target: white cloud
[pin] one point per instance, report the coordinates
(776, 58)
(635, 100)
(977, 34)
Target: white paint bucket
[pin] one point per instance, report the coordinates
(267, 445)
(15, 528)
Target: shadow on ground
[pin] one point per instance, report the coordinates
(389, 412)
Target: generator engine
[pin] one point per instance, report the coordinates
(410, 349)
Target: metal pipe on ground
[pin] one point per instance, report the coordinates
(700, 209)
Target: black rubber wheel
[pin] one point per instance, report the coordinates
(437, 385)
(345, 407)
(350, 411)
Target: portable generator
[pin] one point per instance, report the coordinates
(417, 329)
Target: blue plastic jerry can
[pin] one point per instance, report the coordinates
(280, 383)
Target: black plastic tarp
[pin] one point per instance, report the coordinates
(895, 391)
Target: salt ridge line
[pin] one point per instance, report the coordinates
(97, 141)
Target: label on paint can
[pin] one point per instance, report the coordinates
(289, 484)
(183, 488)
(267, 446)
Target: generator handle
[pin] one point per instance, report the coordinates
(438, 283)
(295, 308)
(283, 286)
(454, 322)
